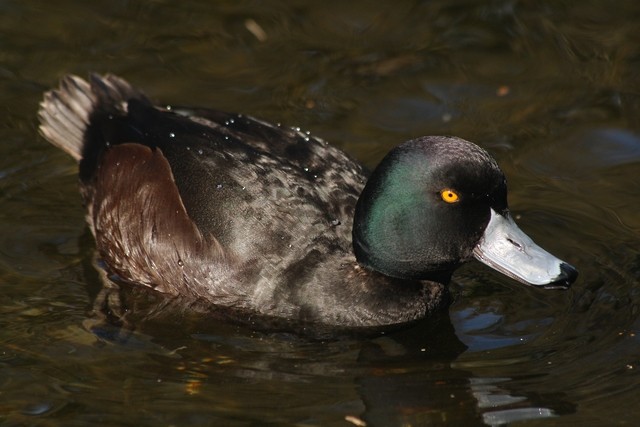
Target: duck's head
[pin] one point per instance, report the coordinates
(436, 202)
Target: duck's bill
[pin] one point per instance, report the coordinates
(509, 250)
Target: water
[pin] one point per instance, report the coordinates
(550, 88)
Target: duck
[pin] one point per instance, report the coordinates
(235, 212)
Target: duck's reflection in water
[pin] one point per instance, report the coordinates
(404, 377)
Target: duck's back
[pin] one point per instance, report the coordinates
(199, 201)
(244, 181)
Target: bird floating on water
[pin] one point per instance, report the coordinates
(239, 213)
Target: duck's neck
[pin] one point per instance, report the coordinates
(383, 300)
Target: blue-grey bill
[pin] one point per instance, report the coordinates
(507, 249)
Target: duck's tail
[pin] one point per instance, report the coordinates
(65, 113)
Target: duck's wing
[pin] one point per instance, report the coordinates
(142, 228)
(168, 190)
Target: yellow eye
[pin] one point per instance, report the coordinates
(449, 196)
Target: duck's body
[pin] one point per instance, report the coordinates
(240, 213)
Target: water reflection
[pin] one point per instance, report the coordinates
(406, 377)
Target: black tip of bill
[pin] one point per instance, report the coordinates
(568, 275)
(507, 249)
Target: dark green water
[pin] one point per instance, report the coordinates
(550, 88)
